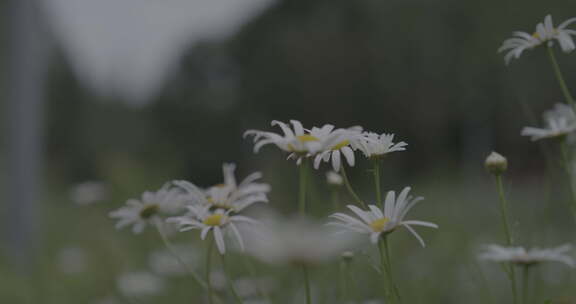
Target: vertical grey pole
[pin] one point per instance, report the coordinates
(27, 62)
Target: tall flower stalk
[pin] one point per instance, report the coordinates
(497, 164)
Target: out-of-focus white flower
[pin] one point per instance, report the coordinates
(496, 163)
(87, 193)
(343, 146)
(522, 256)
(72, 260)
(219, 221)
(297, 241)
(298, 141)
(378, 145)
(377, 222)
(333, 178)
(163, 262)
(545, 33)
(229, 195)
(140, 284)
(559, 122)
(149, 209)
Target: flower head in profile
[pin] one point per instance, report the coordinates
(296, 241)
(337, 144)
(229, 195)
(559, 122)
(149, 209)
(300, 142)
(377, 222)
(545, 33)
(528, 257)
(378, 145)
(220, 222)
(294, 139)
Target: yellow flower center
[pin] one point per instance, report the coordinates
(306, 138)
(341, 145)
(148, 211)
(220, 185)
(536, 35)
(215, 220)
(379, 224)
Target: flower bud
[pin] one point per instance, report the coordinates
(496, 163)
(334, 178)
(347, 256)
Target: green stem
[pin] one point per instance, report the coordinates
(306, 275)
(566, 164)
(173, 252)
(392, 282)
(508, 234)
(385, 274)
(303, 181)
(208, 269)
(349, 187)
(525, 284)
(377, 180)
(504, 211)
(229, 280)
(559, 77)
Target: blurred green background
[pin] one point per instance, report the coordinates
(427, 71)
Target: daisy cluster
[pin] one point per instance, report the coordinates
(326, 143)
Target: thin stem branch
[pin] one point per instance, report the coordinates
(349, 187)
(560, 78)
(173, 252)
(229, 280)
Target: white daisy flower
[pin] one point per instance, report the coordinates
(219, 221)
(229, 195)
(336, 142)
(149, 209)
(377, 222)
(378, 145)
(522, 256)
(559, 122)
(545, 33)
(294, 140)
(300, 142)
(296, 242)
(140, 284)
